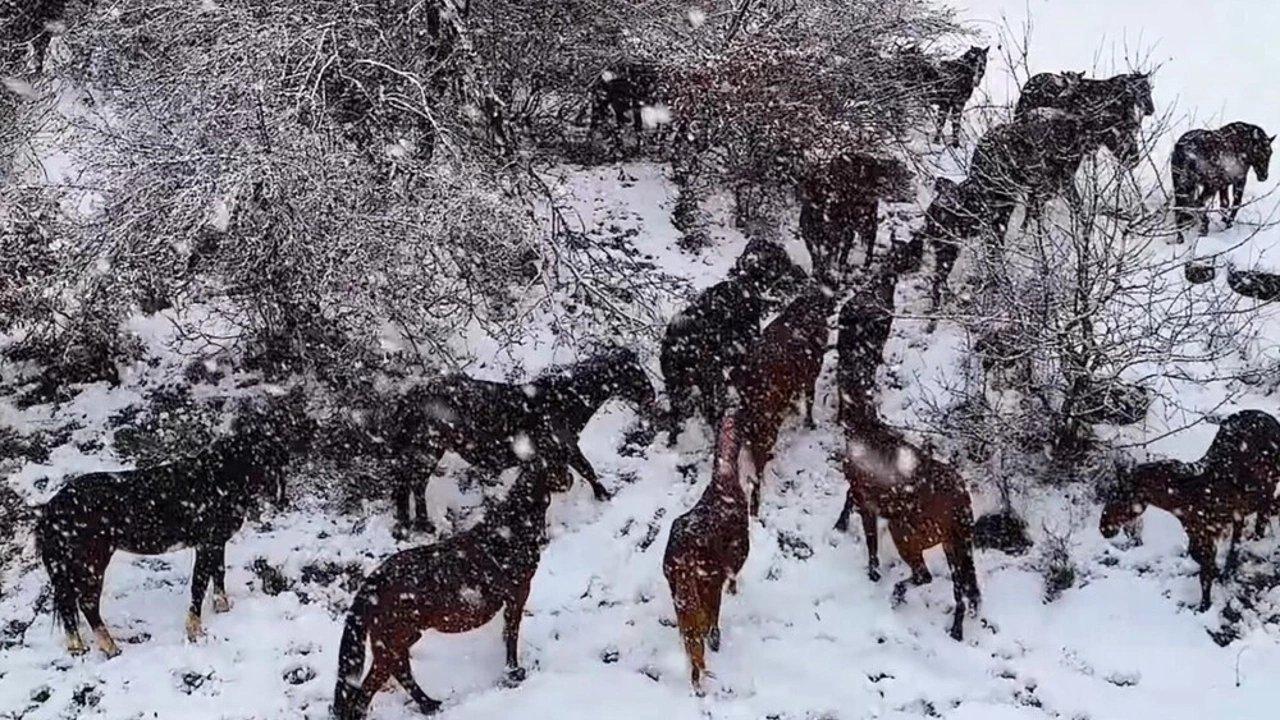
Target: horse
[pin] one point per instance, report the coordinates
(925, 502)
(948, 85)
(864, 324)
(704, 344)
(452, 586)
(1037, 158)
(1208, 162)
(780, 369)
(197, 502)
(707, 548)
(1127, 96)
(491, 424)
(956, 213)
(842, 201)
(1236, 477)
(624, 89)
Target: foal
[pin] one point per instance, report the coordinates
(925, 502)
(706, 549)
(781, 369)
(199, 502)
(1236, 477)
(1209, 162)
(488, 423)
(452, 586)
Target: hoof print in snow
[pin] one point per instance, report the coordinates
(609, 656)
(1254, 284)
(880, 677)
(41, 695)
(191, 681)
(273, 581)
(299, 675)
(86, 696)
(1198, 273)
(1120, 679)
(651, 672)
(794, 546)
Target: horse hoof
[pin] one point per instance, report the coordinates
(873, 575)
(957, 634)
(221, 603)
(601, 494)
(713, 640)
(195, 630)
(515, 676)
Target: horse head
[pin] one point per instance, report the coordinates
(627, 379)
(976, 59)
(1120, 135)
(1123, 502)
(1260, 153)
(1138, 85)
(766, 266)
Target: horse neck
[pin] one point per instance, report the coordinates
(726, 470)
(519, 521)
(580, 394)
(1168, 490)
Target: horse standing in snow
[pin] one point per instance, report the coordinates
(707, 548)
(863, 330)
(491, 424)
(1036, 159)
(841, 203)
(1122, 96)
(925, 502)
(948, 85)
(194, 503)
(1209, 162)
(781, 369)
(452, 586)
(624, 89)
(957, 213)
(1236, 477)
(705, 344)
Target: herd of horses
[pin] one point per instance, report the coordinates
(717, 361)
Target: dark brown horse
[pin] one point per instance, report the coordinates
(1127, 96)
(1236, 477)
(706, 549)
(194, 503)
(704, 345)
(948, 85)
(925, 502)
(452, 586)
(488, 423)
(1216, 162)
(781, 369)
(840, 203)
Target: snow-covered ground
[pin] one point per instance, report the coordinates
(808, 637)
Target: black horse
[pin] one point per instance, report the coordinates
(958, 212)
(1126, 96)
(624, 89)
(196, 503)
(1209, 162)
(706, 342)
(841, 202)
(948, 85)
(492, 424)
(865, 322)
(1036, 159)
(452, 586)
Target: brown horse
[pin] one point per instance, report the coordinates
(1236, 477)
(841, 202)
(707, 547)
(452, 586)
(781, 369)
(925, 502)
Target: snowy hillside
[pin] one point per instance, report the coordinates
(808, 637)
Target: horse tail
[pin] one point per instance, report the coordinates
(351, 655)
(54, 551)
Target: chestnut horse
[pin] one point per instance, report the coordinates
(1236, 477)
(781, 369)
(707, 547)
(925, 502)
(452, 586)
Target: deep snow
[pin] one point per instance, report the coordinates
(808, 636)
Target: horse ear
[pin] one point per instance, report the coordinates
(1271, 139)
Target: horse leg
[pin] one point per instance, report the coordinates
(90, 597)
(379, 673)
(919, 571)
(201, 574)
(1202, 203)
(963, 585)
(842, 522)
(943, 111)
(512, 614)
(1202, 550)
(1233, 555)
(579, 462)
(403, 674)
(957, 110)
(1237, 190)
(221, 603)
(867, 228)
(712, 602)
(871, 532)
(808, 393)
(945, 254)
